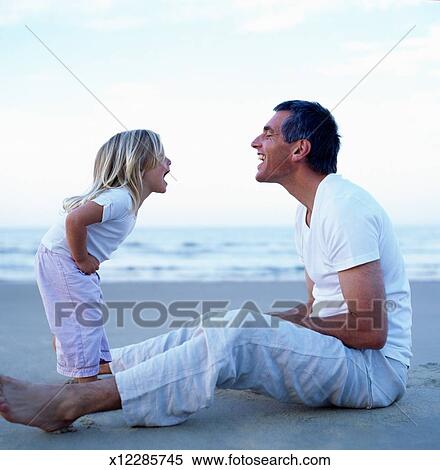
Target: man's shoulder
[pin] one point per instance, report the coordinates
(349, 208)
(342, 196)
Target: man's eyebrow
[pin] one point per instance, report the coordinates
(268, 128)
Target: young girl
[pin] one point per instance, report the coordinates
(128, 168)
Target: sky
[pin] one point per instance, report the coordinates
(206, 76)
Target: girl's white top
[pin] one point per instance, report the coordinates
(118, 220)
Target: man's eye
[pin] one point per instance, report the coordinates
(268, 135)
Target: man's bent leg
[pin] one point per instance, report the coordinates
(288, 363)
(133, 354)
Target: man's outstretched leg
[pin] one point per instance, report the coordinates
(288, 363)
(53, 407)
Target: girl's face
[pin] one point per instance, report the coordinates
(154, 180)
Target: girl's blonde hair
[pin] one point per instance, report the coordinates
(121, 162)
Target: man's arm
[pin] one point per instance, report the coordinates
(365, 325)
(310, 298)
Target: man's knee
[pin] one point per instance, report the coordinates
(241, 325)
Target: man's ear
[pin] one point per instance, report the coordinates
(301, 148)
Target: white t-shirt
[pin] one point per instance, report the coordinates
(349, 228)
(118, 220)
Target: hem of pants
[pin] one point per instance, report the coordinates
(83, 372)
(124, 383)
(106, 357)
(114, 370)
(115, 362)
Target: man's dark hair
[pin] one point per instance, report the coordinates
(311, 121)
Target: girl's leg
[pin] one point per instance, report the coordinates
(105, 357)
(81, 380)
(104, 369)
(72, 303)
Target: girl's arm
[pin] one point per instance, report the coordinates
(76, 234)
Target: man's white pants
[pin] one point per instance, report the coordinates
(165, 379)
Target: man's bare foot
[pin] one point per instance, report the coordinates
(54, 407)
(42, 406)
(54, 343)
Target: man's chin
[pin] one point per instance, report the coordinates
(261, 178)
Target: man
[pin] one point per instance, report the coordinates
(350, 345)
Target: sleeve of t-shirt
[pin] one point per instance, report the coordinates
(351, 232)
(116, 204)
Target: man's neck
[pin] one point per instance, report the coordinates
(303, 187)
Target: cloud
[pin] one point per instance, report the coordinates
(116, 23)
(276, 15)
(256, 16)
(19, 11)
(407, 59)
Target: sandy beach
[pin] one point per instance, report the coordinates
(237, 420)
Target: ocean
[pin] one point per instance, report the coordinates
(210, 254)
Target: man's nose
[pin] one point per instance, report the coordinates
(256, 142)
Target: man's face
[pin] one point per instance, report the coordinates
(273, 151)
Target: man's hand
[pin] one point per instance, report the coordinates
(88, 265)
(365, 325)
(294, 315)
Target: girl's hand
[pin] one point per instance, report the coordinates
(89, 265)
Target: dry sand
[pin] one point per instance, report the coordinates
(236, 420)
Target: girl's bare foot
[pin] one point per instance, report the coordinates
(42, 406)
(104, 369)
(82, 380)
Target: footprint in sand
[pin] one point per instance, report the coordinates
(86, 422)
